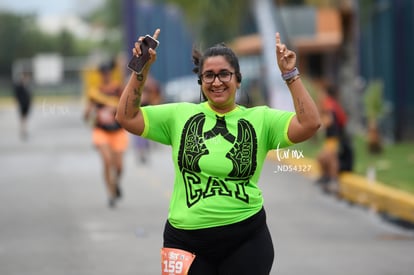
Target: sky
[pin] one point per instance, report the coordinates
(48, 7)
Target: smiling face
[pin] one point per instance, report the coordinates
(221, 96)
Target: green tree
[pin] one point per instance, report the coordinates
(214, 21)
(374, 108)
(13, 31)
(109, 17)
(21, 38)
(66, 45)
(211, 21)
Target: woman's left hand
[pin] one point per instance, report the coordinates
(286, 59)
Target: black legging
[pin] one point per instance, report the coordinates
(242, 248)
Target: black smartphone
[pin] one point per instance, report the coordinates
(138, 62)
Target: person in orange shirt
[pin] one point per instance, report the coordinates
(110, 139)
(334, 120)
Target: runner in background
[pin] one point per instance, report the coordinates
(336, 153)
(109, 138)
(23, 96)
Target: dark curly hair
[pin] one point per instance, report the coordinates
(217, 50)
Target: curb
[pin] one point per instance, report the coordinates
(377, 196)
(358, 189)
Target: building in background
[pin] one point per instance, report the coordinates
(350, 45)
(174, 53)
(386, 44)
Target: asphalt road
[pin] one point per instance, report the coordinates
(54, 217)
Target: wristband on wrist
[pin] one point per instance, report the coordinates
(290, 74)
(293, 79)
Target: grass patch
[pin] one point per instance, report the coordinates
(394, 166)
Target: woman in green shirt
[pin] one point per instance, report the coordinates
(216, 209)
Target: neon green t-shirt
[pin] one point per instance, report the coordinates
(217, 159)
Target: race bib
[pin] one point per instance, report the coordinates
(175, 261)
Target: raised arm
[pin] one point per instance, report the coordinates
(129, 113)
(306, 121)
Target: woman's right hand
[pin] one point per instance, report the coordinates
(128, 112)
(153, 54)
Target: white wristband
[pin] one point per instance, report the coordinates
(290, 74)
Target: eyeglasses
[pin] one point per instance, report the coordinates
(223, 76)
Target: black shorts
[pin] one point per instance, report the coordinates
(242, 248)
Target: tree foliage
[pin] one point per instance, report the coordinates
(211, 22)
(214, 21)
(14, 32)
(109, 17)
(21, 38)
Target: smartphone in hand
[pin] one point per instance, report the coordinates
(137, 63)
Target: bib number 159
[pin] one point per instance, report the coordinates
(173, 267)
(175, 261)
